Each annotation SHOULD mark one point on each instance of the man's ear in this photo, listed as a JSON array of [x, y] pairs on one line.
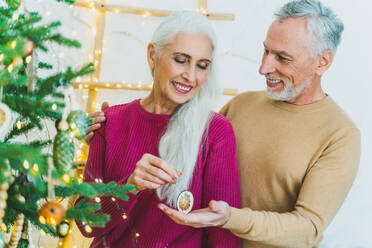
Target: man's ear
[[151, 55], [323, 62]]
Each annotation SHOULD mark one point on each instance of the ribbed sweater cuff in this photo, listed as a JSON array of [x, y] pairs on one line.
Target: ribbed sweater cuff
[[237, 219]]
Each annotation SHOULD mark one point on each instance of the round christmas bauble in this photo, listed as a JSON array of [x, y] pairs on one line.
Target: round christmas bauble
[[63, 228], [51, 213], [5, 120], [185, 201]]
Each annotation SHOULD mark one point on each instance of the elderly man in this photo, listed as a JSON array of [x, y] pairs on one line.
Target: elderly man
[[298, 152]]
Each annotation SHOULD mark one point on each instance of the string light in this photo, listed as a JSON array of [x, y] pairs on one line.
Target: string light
[[54, 106], [28, 59], [66, 178], [42, 219], [36, 167], [13, 44], [3, 227], [1, 57], [26, 165], [15, 16], [19, 124], [60, 243], [137, 235], [118, 85], [88, 229], [107, 85], [124, 216], [10, 68], [80, 86], [42, 232], [97, 199], [113, 199]]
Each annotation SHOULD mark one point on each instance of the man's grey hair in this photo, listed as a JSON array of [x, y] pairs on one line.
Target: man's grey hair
[[324, 27]]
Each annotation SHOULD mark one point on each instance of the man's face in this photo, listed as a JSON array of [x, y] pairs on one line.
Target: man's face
[[286, 62]]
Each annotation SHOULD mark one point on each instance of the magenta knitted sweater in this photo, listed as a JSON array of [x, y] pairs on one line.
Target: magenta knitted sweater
[[129, 132]]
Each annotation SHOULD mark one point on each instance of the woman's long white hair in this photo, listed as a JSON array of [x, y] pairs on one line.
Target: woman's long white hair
[[179, 146]]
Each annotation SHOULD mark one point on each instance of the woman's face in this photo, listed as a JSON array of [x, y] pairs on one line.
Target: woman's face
[[181, 68]]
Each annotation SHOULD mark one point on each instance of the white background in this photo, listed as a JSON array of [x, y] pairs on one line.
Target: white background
[[348, 81]]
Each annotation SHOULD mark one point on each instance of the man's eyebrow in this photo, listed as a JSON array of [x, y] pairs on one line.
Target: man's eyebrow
[[279, 52]]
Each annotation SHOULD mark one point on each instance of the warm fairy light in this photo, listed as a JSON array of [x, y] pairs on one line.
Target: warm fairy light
[[137, 235], [113, 199], [66, 178], [107, 85], [97, 199], [78, 79], [26, 165], [118, 85], [13, 44], [10, 68], [36, 167], [28, 59], [85, 86], [53, 221], [80, 86], [19, 124], [88, 229], [146, 14], [15, 16], [96, 63], [96, 180], [3, 227], [42, 232], [95, 79], [60, 243], [124, 216], [80, 180], [116, 11], [1, 57], [129, 85], [42, 219], [54, 106]]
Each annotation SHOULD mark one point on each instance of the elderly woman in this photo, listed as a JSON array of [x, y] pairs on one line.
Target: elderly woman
[[166, 143]]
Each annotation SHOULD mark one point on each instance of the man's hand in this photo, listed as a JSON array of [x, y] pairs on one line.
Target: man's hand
[[97, 117], [216, 215]]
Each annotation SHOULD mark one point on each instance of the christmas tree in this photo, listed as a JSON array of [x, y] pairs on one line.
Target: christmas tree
[[33, 176]]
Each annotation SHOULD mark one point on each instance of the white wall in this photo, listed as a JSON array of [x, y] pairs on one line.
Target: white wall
[[348, 81]]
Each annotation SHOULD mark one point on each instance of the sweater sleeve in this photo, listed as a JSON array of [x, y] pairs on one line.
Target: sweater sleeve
[[324, 188], [221, 181], [94, 172]]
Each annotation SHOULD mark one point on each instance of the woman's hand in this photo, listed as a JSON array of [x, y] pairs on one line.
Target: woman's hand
[[151, 173], [98, 117]]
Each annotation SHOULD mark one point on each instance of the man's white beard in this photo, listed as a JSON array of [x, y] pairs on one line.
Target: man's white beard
[[289, 92]]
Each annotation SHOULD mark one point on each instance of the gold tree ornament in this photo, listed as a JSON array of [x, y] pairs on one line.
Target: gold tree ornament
[[16, 231], [51, 213], [5, 120]]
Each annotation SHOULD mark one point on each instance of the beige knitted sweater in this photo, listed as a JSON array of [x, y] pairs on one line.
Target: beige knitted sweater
[[297, 163]]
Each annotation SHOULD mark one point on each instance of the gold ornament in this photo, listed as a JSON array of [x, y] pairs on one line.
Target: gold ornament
[[185, 201], [51, 213], [5, 120], [16, 231], [3, 197]]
